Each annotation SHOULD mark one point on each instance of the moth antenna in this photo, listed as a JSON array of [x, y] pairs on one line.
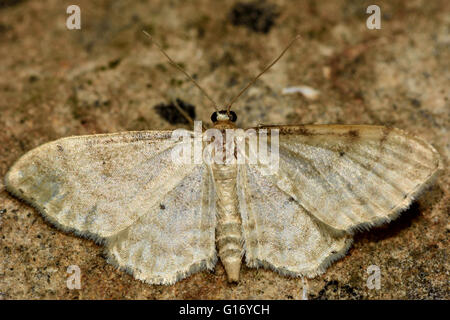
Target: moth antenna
[[183, 113], [262, 72], [173, 63]]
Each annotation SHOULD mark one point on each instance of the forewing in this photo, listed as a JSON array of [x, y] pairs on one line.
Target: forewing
[[352, 177], [173, 239], [279, 233], [100, 184]]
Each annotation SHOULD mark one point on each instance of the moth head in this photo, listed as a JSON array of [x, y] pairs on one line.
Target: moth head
[[223, 115]]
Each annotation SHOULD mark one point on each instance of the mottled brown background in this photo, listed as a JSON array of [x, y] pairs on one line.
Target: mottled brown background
[[107, 77]]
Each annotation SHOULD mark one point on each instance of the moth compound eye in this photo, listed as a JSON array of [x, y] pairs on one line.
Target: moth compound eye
[[233, 116], [214, 117]]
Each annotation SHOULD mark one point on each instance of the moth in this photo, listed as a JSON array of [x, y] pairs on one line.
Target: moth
[[162, 220]]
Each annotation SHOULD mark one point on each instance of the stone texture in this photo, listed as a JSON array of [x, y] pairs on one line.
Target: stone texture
[[107, 77]]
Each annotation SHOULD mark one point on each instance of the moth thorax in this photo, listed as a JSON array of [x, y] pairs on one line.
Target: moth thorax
[[224, 119]]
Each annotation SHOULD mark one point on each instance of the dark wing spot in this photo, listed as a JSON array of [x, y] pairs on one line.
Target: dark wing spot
[[341, 153], [353, 133], [108, 141], [304, 132], [386, 132], [162, 207], [297, 130], [60, 148]]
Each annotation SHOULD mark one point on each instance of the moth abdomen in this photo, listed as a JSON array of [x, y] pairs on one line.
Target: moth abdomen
[[229, 224]]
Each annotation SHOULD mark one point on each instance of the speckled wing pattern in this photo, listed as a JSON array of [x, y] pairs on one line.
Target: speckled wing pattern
[[124, 189], [173, 240], [332, 180], [279, 233]]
